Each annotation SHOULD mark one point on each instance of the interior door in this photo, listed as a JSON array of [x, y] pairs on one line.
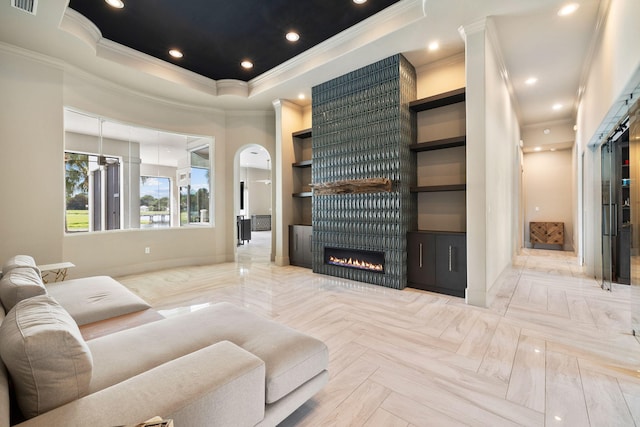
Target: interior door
[[608, 213]]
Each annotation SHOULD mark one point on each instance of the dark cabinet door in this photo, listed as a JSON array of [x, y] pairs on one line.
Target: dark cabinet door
[[437, 261], [305, 246], [421, 272], [300, 245], [451, 262]]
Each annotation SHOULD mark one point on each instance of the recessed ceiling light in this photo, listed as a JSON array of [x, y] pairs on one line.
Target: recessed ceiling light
[[246, 64], [546, 131], [292, 36], [301, 96], [568, 9], [531, 81], [538, 148], [359, 1], [434, 46], [118, 4], [557, 107], [175, 53], [552, 149]]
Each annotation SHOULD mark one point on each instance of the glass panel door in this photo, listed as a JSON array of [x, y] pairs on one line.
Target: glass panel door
[[634, 226], [608, 213]]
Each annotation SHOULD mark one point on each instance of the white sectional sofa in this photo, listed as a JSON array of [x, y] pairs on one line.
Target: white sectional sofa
[[218, 366]]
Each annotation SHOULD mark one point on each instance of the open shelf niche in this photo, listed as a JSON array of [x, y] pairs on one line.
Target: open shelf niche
[[300, 232], [302, 147], [436, 251]]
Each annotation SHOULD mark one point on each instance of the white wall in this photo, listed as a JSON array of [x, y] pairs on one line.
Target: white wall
[[258, 192], [613, 71], [441, 76], [31, 164], [244, 129], [289, 118], [493, 135], [502, 168], [549, 191], [34, 93]]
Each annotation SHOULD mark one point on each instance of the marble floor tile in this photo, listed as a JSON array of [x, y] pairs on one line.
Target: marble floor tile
[[415, 358]]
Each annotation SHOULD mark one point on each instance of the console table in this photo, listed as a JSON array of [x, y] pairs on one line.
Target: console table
[[58, 271], [549, 233], [260, 222]]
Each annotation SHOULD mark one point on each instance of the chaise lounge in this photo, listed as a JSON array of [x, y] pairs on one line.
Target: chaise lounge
[[217, 366]]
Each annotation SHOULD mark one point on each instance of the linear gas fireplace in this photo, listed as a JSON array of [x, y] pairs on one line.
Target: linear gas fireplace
[[353, 258], [362, 172]]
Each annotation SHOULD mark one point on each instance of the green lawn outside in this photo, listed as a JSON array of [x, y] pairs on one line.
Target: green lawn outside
[[77, 220]]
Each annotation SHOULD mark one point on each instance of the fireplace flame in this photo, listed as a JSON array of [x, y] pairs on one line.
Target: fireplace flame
[[355, 263]]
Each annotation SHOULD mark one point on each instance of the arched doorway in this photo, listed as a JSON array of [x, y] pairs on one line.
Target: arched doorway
[[254, 205]]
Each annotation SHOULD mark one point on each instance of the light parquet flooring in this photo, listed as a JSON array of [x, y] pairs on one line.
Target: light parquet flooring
[[552, 348]]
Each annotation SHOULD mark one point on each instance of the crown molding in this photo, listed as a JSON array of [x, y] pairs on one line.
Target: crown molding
[[232, 87], [383, 23], [449, 60], [279, 103], [112, 86], [115, 52], [33, 56], [78, 25], [473, 28]]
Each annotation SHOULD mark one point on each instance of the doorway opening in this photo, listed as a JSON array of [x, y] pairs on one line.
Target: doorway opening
[[254, 205]]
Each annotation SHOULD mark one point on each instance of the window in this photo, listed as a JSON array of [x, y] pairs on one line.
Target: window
[[155, 202], [92, 192], [119, 176]]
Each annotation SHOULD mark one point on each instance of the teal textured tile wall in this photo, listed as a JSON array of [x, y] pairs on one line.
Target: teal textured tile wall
[[362, 128]]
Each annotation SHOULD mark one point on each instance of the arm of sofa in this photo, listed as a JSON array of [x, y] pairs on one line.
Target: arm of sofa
[[219, 385]]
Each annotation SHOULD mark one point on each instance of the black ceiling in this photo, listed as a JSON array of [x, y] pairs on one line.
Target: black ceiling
[[216, 35]]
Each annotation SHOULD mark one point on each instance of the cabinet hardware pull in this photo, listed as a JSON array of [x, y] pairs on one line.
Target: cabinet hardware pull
[[450, 250], [296, 242], [420, 255]]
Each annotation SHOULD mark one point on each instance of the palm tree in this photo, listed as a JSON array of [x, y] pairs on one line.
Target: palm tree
[[76, 177]]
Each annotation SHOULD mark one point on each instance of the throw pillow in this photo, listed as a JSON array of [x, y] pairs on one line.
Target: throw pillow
[[48, 360], [18, 284]]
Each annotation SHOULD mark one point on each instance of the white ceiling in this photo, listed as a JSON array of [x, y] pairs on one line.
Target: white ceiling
[[533, 40]]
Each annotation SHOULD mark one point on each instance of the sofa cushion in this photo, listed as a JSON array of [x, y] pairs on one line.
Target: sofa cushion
[[19, 261], [291, 357], [18, 284], [47, 359], [96, 298]]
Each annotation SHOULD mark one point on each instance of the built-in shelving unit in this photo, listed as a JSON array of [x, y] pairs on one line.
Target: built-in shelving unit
[[302, 148], [457, 141], [439, 100], [436, 251], [300, 229], [437, 188], [303, 194]]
